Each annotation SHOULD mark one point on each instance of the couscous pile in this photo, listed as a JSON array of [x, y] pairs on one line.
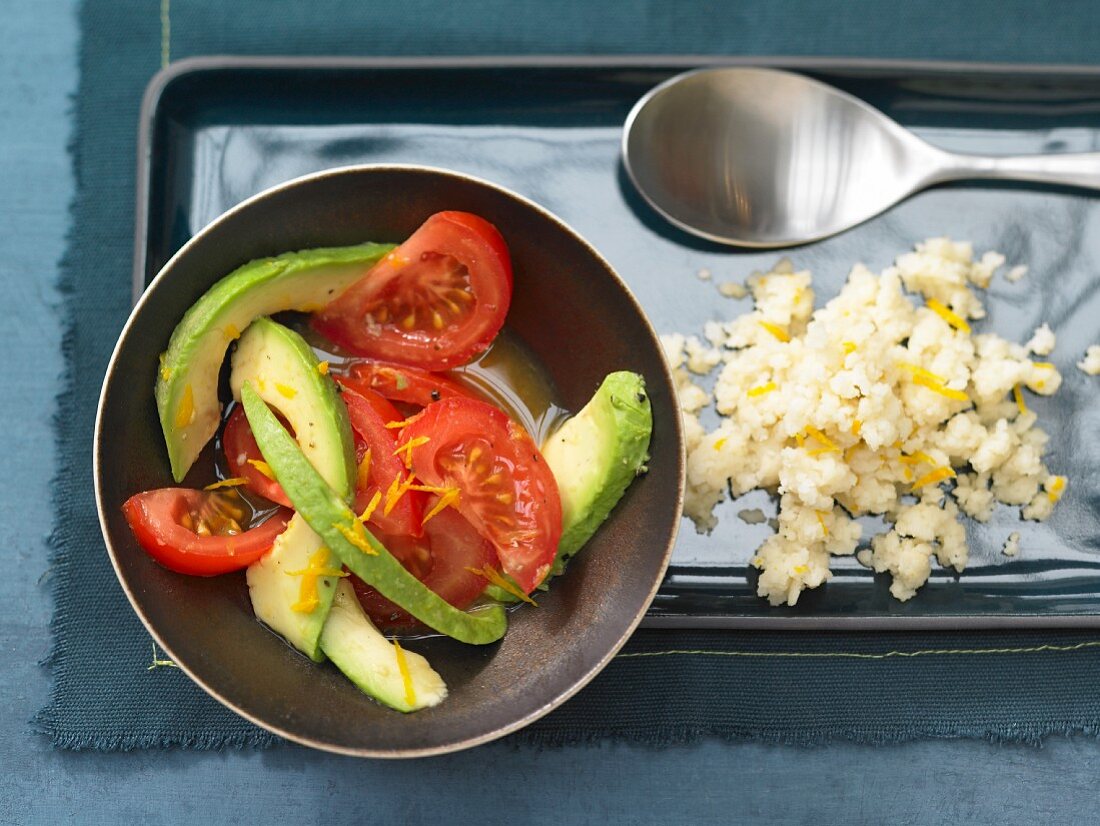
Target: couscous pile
[[868, 405]]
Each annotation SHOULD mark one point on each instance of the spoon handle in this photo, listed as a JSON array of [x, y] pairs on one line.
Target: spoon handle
[[1069, 169]]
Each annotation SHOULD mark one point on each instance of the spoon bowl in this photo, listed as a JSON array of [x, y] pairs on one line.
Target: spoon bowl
[[766, 158]]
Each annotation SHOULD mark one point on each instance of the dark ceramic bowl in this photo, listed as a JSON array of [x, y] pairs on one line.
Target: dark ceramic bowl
[[581, 321]]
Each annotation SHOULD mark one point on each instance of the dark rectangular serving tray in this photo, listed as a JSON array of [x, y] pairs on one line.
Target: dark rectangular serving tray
[[215, 131]]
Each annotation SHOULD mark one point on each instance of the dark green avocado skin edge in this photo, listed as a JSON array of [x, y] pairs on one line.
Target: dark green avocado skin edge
[[326, 512]]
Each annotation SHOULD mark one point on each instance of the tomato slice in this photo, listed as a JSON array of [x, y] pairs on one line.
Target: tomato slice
[[240, 449], [164, 522], [435, 302], [385, 466], [409, 384], [439, 559], [379, 401], [507, 491]]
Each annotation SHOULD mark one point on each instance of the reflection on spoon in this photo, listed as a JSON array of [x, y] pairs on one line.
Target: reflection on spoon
[[767, 158]]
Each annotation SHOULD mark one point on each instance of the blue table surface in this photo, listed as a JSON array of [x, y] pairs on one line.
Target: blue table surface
[[924, 782]]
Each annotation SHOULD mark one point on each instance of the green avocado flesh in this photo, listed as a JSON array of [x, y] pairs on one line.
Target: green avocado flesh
[[370, 661], [279, 361], [327, 513], [596, 455], [285, 373], [274, 587], [187, 385]]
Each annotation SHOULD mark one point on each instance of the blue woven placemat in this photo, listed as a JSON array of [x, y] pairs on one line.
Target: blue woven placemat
[[666, 687]]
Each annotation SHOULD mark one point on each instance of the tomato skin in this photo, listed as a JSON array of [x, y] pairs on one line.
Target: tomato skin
[[240, 446], [435, 302], [154, 517], [379, 401], [371, 433], [408, 384], [439, 559], [508, 492]]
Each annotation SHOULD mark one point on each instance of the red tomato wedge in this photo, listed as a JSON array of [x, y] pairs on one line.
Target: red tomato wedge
[[507, 491], [409, 384], [241, 450], [439, 559], [381, 403], [165, 522], [383, 467], [434, 302]]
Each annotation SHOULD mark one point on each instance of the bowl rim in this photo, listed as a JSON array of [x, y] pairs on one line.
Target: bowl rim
[[676, 426]]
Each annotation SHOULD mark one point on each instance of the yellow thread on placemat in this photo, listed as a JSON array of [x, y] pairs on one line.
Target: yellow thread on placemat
[[854, 655], [159, 663], [165, 32]]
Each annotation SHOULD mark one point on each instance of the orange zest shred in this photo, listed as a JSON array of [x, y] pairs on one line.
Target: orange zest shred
[[760, 389], [263, 467], [720, 443], [821, 521], [322, 368], [396, 490], [920, 372], [503, 583], [356, 536], [231, 482], [406, 675], [400, 424], [934, 477], [408, 447], [857, 425], [799, 439], [447, 497], [814, 433], [916, 458], [393, 493], [320, 564], [1056, 488], [849, 346], [1018, 395], [775, 330], [372, 505], [186, 410], [1045, 365], [800, 570], [939, 387], [362, 475], [952, 318]]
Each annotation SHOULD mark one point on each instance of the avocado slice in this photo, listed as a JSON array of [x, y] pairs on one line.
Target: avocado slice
[[284, 371], [596, 455], [187, 385], [275, 585], [280, 362], [329, 515], [372, 662]]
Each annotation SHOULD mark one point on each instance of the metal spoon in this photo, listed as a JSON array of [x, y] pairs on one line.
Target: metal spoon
[[766, 158]]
